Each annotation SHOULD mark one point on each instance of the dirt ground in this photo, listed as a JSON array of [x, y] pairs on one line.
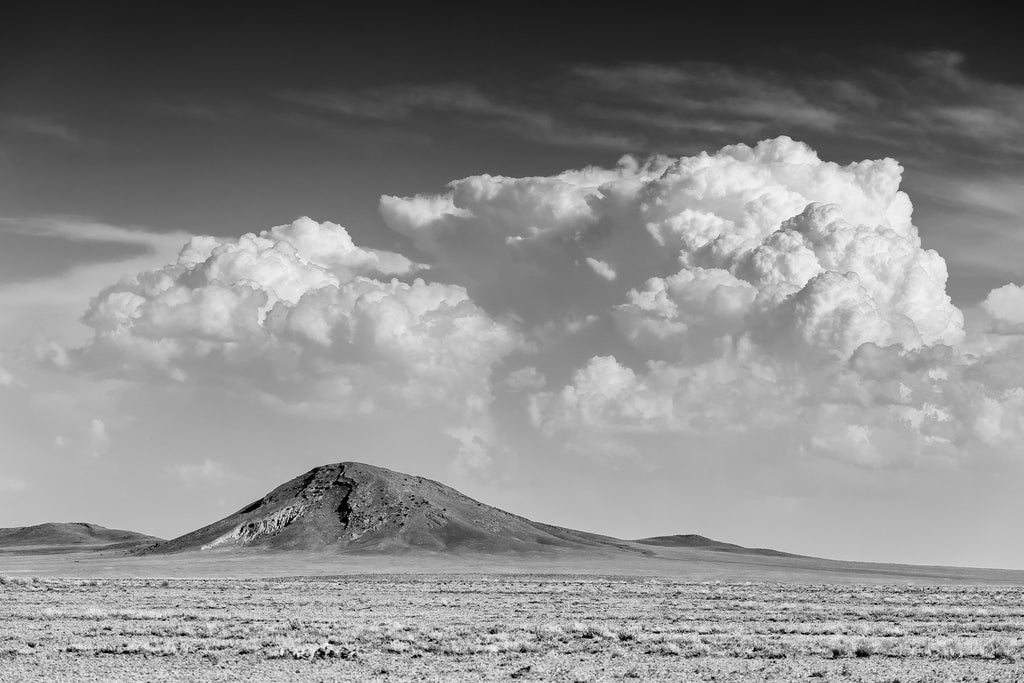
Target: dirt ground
[[504, 627]]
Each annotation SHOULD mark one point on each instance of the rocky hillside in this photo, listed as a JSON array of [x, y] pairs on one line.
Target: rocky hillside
[[358, 507]]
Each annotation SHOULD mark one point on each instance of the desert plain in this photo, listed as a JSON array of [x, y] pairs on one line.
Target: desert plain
[[352, 572], [684, 615]]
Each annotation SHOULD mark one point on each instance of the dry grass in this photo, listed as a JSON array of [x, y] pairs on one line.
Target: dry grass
[[510, 627]]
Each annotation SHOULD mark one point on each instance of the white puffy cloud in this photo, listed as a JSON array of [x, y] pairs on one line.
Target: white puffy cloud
[[822, 255], [755, 290], [606, 395], [329, 245], [293, 315], [522, 244], [601, 268], [718, 395], [1005, 306], [749, 287], [833, 243]]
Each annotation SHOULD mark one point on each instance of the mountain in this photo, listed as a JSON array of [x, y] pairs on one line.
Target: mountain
[[378, 519], [696, 541], [55, 537], [357, 507]]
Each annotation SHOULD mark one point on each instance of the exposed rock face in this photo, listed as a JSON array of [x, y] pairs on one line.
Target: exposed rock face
[[352, 506]]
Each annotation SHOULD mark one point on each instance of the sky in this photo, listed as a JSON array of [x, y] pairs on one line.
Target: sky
[[753, 275]]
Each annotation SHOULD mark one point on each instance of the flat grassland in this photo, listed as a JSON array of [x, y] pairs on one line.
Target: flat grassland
[[504, 627]]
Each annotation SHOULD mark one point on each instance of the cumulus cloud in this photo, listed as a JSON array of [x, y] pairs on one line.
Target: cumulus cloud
[[754, 290], [830, 247], [522, 244], [298, 315], [1005, 306], [717, 396], [958, 129], [750, 287]]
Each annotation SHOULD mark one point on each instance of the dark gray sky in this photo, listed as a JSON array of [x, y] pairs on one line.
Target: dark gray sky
[[218, 120], [126, 128]]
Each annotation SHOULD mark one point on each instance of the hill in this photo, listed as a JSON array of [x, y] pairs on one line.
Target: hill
[[67, 537], [358, 507], [697, 541], [385, 522]]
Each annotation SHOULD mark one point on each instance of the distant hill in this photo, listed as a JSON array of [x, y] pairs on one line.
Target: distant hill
[[358, 507], [68, 537], [349, 518], [696, 541]]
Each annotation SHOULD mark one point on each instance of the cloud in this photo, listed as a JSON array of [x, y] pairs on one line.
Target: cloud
[[1005, 306], [757, 290], [714, 397], [521, 244], [956, 129], [601, 268], [524, 378], [605, 395], [912, 102], [48, 309], [524, 119], [701, 95], [296, 316], [772, 218], [41, 127]]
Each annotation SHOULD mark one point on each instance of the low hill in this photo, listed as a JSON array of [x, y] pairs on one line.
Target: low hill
[[358, 507], [380, 521], [697, 541], [68, 537]]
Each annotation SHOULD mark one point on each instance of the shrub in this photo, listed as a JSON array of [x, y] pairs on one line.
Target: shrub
[[998, 648], [840, 647], [866, 648]]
